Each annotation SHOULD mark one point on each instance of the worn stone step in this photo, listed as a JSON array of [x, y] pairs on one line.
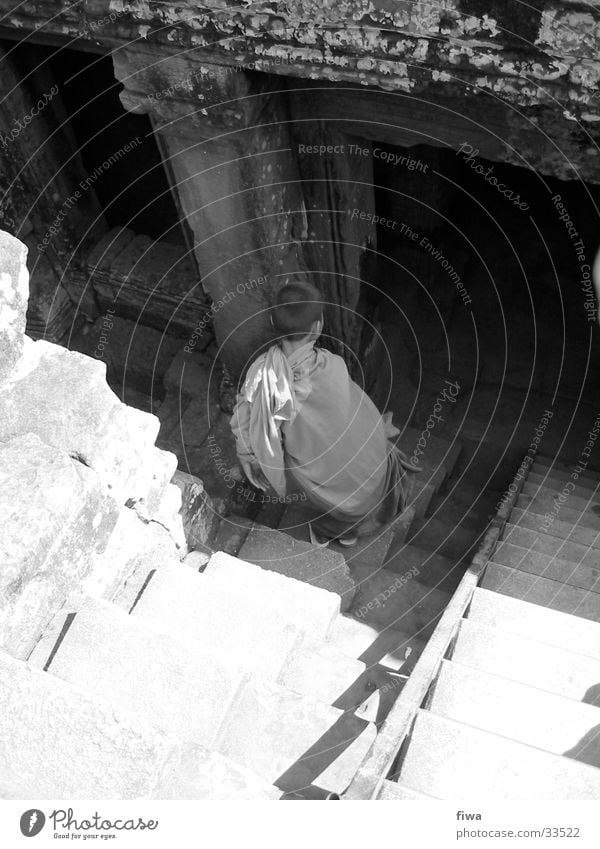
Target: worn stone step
[[470, 516], [543, 591], [269, 729], [548, 544], [217, 778], [544, 504], [180, 688], [369, 551], [438, 451], [321, 671], [527, 518], [476, 765], [309, 608], [535, 622], [583, 500], [319, 567], [393, 791], [442, 538], [583, 486], [44, 721], [423, 493], [556, 467], [530, 662], [392, 649], [517, 711], [388, 600], [231, 534], [238, 624], [583, 574], [431, 569], [349, 747], [57, 519]]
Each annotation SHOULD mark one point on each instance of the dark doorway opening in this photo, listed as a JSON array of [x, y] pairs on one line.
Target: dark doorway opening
[[482, 283], [118, 149]]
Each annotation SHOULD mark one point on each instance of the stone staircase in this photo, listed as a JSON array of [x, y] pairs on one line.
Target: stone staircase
[[152, 646], [504, 702]]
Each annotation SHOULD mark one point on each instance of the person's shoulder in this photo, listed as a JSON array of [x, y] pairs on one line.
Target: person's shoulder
[[327, 359]]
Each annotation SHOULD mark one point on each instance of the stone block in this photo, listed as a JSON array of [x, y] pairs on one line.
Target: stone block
[[57, 517], [320, 671], [197, 775], [269, 729], [58, 742], [281, 553], [135, 355], [183, 691], [134, 547], [235, 625], [63, 398], [311, 609], [14, 290], [389, 648], [355, 738], [200, 514], [196, 374]]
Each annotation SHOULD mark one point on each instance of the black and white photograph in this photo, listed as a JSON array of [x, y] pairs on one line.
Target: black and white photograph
[[299, 420]]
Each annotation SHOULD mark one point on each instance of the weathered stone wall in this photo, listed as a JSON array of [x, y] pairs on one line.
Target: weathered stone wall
[[541, 61]]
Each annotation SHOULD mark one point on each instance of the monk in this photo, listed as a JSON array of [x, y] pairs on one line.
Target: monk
[[302, 425]]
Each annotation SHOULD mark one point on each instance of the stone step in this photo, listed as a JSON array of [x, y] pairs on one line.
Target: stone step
[[231, 534], [543, 591], [470, 516], [394, 650], [544, 504], [57, 518], [547, 465], [321, 671], [45, 720], [388, 600], [438, 451], [431, 569], [545, 543], [392, 790], [442, 538], [517, 711], [534, 622], [284, 737], [218, 778], [423, 493], [527, 518], [308, 608], [320, 567], [583, 486], [582, 500], [370, 551], [238, 624], [530, 662], [585, 575], [181, 689], [476, 765]]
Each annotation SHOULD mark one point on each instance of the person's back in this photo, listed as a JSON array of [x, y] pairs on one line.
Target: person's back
[[302, 423]]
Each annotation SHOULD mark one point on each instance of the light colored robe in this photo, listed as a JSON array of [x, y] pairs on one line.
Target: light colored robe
[[311, 427]]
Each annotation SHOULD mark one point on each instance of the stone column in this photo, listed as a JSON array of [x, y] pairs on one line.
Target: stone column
[[337, 175], [235, 172]]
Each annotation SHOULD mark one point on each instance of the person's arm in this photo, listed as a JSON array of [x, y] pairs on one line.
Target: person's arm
[[240, 425]]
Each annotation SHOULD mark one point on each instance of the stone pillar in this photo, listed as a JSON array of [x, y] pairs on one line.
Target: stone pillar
[[340, 202], [235, 172]]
